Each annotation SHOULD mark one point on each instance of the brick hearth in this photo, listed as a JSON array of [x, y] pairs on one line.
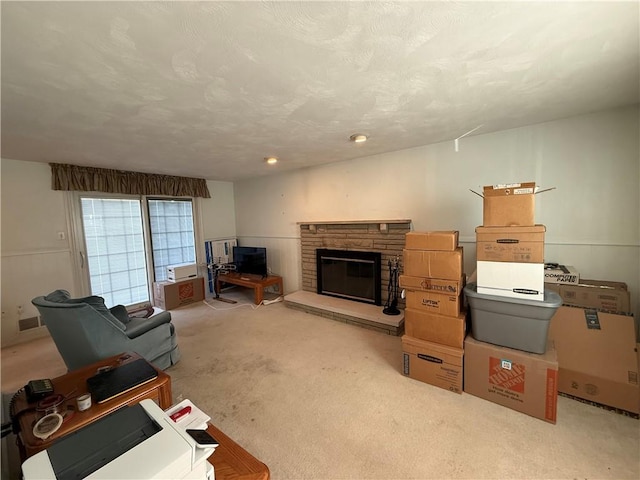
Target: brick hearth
[[384, 236]]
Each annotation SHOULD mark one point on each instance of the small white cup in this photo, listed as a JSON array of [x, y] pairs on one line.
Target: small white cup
[[84, 402]]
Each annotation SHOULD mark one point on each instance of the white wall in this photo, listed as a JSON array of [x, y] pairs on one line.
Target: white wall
[[35, 261], [218, 212], [592, 218]]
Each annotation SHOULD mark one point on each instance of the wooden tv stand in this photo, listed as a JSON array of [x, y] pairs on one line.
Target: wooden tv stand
[[257, 282]]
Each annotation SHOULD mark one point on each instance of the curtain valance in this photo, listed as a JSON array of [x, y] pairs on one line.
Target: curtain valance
[[92, 179]]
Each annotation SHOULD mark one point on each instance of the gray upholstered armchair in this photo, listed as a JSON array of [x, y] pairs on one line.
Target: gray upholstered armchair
[[85, 331]]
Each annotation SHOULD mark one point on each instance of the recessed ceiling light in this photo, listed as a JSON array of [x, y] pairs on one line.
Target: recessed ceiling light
[[358, 138], [271, 160]]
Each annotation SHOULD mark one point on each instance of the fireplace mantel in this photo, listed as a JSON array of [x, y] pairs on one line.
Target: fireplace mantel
[[341, 222], [383, 225]]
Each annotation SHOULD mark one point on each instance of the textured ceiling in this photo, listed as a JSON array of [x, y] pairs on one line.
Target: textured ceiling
[[208, 89]]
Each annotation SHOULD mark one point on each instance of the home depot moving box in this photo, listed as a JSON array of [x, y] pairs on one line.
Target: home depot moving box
[[598, 294], [432, 363], [526, 382], [597, 356], [169, 295], [510, 244], [439, 240], [433, 263], [436, 328], [509, 205]]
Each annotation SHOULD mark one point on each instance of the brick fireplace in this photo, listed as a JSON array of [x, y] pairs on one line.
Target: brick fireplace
[[384, 236]]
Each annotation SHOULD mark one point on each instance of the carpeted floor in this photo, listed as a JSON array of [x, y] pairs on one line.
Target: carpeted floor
[[317, 399]]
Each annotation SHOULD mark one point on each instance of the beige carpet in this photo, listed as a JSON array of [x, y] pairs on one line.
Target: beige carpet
[[317, 399]]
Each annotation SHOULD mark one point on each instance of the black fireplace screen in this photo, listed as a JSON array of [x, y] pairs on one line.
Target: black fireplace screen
[[349, 274]]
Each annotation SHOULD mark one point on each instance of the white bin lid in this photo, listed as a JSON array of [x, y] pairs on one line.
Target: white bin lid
[[551, 299]]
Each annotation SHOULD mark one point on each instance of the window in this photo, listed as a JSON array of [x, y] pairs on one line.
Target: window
[[172, 235], [115, 252], [127, 248]]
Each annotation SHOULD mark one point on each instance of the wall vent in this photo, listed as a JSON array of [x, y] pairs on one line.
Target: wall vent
[[28, 323]]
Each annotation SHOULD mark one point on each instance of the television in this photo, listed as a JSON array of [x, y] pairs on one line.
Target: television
[[250, 260]]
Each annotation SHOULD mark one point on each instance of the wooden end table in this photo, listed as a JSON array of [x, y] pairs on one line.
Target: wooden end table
[[257, 282], [74, 384], [232, 462]]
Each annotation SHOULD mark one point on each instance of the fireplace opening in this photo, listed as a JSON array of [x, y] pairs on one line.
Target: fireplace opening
[[349, 274]]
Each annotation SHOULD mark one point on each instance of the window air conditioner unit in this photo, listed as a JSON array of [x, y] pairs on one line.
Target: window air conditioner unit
[[183, 271]]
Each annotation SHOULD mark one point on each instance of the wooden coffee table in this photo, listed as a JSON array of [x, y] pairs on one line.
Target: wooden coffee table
[[257, 282], [232, 462], [74, 384]]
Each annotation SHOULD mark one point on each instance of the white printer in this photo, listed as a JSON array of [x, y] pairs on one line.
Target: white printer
[[134, 442], [183, 271]]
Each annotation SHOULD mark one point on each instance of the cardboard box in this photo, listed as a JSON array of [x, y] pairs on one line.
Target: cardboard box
[[597, 356], [509, 205], [431, 363], [511, 279], [444, 240], [562, 274], [510, 244], [433, 263], [525, 382], [169, 295], [435, 285], [599, 294], [442, 303], [436, 328]]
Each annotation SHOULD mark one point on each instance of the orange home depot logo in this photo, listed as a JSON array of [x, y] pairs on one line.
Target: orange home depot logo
[[185, 291], [506, 374]]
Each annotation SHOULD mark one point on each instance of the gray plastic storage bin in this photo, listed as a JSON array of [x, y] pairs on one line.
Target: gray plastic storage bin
[[511, 322]]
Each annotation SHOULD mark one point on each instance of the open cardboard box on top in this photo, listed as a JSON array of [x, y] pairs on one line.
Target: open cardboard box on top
[[508, 205]]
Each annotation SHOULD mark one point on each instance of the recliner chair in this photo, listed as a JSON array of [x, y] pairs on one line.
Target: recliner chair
[[86, 331]]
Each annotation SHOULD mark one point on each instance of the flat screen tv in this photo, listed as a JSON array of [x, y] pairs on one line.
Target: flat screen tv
[[250, 260]]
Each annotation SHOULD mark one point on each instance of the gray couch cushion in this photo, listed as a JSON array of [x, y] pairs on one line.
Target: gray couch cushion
[[139, 326], [120, 312]]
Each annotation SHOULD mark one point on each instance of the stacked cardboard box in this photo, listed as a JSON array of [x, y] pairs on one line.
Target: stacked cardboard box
[[594, 334], [560, 274], [509, 246], [434, 319], [499, 363], [510, 256], [523, 381], [598, 294]]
